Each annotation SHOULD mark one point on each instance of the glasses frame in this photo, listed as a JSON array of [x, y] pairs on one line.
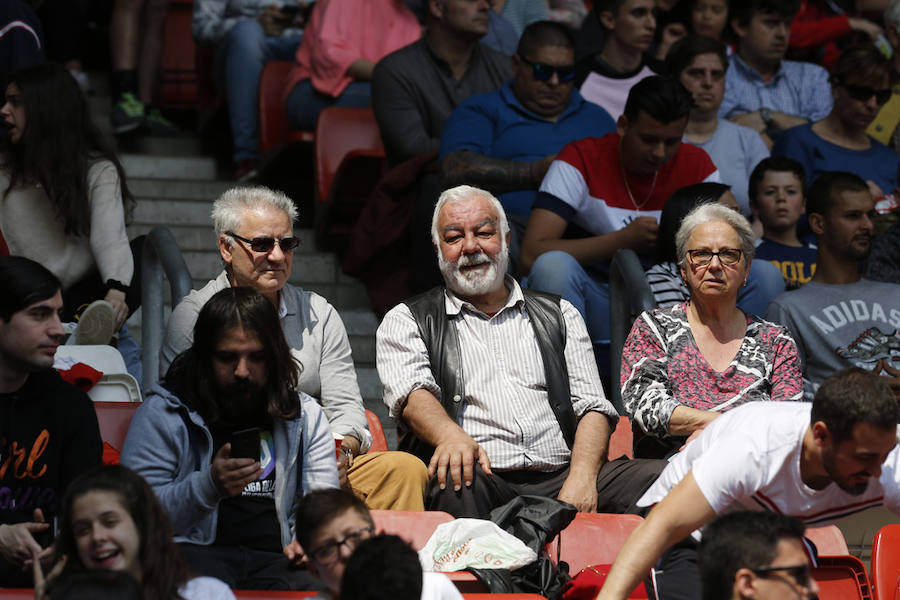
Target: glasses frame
[[264, 245], [335, 547], [793, 570], [690, 256], [864, 93], [563, 74]]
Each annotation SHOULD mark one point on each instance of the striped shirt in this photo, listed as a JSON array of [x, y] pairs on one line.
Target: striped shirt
[[505, 409], [798, 88]]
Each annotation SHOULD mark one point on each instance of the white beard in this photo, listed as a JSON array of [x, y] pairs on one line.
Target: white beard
[[475, 282]]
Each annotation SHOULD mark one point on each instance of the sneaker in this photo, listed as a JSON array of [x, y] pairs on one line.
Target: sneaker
[[96, 324], [157, 124], [127, 114]]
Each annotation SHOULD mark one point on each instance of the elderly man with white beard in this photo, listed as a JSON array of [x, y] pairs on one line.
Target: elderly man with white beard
[[495, 387]]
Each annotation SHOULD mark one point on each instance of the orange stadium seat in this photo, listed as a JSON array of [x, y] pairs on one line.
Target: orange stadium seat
[[379, 441], [886, 561], [842, 578], [829, 540], [274, 131]]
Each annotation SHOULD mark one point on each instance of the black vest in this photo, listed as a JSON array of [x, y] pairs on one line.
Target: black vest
[[440, 338]]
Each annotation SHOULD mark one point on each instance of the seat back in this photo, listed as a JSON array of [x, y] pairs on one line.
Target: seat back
[[886, 561], [274, 131], [842, 578], [177, 65], [829, 540], [592, 539], [413, 526], [621, 440], [269, 594], [379, 441], [114, 419], [340, 131]]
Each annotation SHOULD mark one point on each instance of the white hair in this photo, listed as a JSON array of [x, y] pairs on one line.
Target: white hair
[[462, 193], [892, 15], [708, 213], [228, 210]]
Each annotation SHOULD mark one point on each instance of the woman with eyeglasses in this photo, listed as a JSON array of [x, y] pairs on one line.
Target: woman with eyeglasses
[[861, 81], [684, 365], [63, 197]]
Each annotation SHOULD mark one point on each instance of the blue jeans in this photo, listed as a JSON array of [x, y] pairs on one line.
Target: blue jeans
[[305, 103], [558, 273], [239, 62]]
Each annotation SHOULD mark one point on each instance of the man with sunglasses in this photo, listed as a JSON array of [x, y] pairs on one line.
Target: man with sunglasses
[[839, 319], [755, 555], [504, 141], [819, 462], [256, 241]]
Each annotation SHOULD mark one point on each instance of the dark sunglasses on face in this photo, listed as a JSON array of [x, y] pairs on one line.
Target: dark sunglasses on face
[[543, 71], [266, 244], [864, 92], [801, 574]]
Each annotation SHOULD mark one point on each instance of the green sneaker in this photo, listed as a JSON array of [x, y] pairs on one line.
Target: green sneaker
[[157, 124], [127, 114]]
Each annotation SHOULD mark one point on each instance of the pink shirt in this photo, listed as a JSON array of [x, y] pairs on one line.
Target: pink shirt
[[342, 31]]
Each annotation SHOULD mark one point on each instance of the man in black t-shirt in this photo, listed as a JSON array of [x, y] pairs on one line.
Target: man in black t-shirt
[[48, 428]]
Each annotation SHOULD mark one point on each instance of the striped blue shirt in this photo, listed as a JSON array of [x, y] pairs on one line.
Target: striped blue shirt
[[798, 88]]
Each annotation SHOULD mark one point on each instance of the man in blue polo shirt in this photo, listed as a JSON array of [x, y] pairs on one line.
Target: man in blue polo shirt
[[504, 141]]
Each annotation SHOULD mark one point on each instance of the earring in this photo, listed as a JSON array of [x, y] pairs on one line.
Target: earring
[[744, 284]]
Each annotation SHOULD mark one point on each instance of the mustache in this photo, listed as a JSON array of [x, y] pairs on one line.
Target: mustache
[[473, 260]]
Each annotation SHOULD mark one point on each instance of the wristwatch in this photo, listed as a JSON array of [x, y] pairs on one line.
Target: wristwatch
[[349, 455], [767, 116]]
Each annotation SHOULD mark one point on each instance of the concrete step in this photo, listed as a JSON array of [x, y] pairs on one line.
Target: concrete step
[[319, 267], [177, 189], [169, 167]]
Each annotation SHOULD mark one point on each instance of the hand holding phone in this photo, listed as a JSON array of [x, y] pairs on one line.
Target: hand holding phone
[[245, 443]]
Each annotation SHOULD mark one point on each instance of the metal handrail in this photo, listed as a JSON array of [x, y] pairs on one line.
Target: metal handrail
[[160, 255], [629, 295]]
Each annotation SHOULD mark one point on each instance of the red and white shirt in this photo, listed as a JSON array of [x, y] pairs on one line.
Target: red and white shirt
[[584, 185]]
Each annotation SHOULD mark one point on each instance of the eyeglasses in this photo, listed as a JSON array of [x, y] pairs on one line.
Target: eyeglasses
[[801, 574], [543, 72], [329, 552], [266, 244], [727, 256], [863, 93]]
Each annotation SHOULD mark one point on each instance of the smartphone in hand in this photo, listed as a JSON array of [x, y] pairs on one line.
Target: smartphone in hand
[[245, 443]]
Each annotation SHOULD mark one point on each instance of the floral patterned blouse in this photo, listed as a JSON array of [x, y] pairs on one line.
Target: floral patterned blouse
[[662, 368]]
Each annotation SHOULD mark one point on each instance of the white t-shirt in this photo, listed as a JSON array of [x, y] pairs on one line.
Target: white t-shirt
[[205, 588], [749, 459], [437, 586]]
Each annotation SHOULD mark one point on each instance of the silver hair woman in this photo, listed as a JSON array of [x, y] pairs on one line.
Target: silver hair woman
[[684, 365]]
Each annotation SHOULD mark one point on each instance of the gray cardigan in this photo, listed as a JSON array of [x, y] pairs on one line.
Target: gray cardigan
[[172, 448]]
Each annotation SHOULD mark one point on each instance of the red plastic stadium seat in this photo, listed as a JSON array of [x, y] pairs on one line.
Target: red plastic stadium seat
[[178, 68], [340, 133], [16, 594], [4, 249], [274, 131], [829, 540], [114, 419], [416, 528], [842, 578], [622, 440], [886, 561], [379, 441], [592, 539]]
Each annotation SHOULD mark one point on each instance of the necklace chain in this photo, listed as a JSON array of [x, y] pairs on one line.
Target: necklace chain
[[637, 207]]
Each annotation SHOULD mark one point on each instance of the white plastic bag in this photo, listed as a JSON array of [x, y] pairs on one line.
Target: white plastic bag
[[464, 543]]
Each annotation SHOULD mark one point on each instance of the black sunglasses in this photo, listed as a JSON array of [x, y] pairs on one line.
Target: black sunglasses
[[543, 71], [266, 244], [801, 574], [864, 92]]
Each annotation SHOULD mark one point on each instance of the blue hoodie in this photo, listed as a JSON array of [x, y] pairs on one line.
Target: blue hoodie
[[172, 448]]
